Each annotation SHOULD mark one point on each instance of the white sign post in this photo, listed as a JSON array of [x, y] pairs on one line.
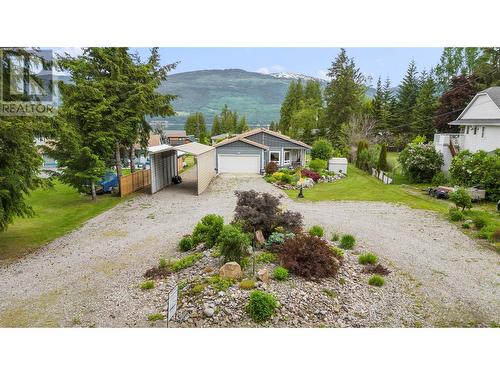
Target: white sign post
[[172, 303]]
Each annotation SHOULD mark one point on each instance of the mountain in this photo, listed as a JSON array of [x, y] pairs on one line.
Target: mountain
[[297, 76], [255, 95]]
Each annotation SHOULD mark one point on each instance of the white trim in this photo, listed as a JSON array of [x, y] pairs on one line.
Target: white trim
[[472, 102], [289, 161], [279, 156]]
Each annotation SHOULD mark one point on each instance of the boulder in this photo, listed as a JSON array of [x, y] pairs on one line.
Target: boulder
[[263, 275], [209, 311], [231, 270], [259, 237]]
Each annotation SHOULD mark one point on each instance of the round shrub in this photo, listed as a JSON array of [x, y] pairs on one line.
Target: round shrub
[[439, 179], [310, 174], [347, 241], [335, 237], [308, 256], [247, 284], [420, 162], [479, 222], [337, 252], [455, 214], [322, 149], [316, 230], [367, 258], [232, 243], [376, 280], [280, 273], [271, 167], [186, 243], [261, 306], [207, 230], [318, 165], [461, 198]]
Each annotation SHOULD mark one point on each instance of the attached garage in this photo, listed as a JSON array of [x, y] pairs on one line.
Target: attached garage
[[240, 156]]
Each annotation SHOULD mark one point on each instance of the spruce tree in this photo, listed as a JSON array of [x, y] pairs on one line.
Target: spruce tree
[[425, 108], [406, 98], [382, 158], [216, 126], [242, 125], [378, 104], [195, 125]]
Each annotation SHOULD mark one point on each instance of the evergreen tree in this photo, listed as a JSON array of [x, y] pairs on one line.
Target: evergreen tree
[[312, 95], [290, 104], [242, 125], [425, 107], [457, 61], [216, 126], [344, 97], [228, 120], [195, 125], [378, 103], [302, 124], [382, 158], [273, 126], [406, 99]]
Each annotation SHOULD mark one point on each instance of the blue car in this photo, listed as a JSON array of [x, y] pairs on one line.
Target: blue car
[[109, 182]]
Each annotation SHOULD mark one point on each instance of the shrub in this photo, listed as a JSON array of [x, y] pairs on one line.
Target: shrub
[[186, 243], [329, 293], [162, 263], [310, 174], [347, 241], [382, 159], [439, 179], [376, 280], [316, 230], [260, 211], [185, 262], [247, 284], [335, 237], [277, 238], [367, 158], [232, 243], [322, 149], [420, 162], [280, 273], [220, 284], [466, 225], [455, 214], [159, 272], [148, 284], [155, 317], [198, 288], [261, 306], [376, 268], [461, 198], [337, 252], [479, 222], [308, 256], [480, 168], [265, 257], [207, 230], [367, 258], [271, 167], [318, 165]]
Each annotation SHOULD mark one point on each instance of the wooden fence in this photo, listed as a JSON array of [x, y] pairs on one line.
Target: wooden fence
[[135, 181]]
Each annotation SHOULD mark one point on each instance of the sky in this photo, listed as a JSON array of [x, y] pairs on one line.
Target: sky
[[386, 62]]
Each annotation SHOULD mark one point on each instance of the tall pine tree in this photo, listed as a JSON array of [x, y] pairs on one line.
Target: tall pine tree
[[406, 99], [425, 108]]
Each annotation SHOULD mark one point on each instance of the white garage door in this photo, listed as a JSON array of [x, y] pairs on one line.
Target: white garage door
[[239, 163]]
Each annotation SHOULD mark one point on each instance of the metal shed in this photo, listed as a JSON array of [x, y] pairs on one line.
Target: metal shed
[[163, 166], [205, 162]]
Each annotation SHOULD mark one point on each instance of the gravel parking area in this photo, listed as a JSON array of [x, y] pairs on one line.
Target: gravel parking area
[[90, 276]]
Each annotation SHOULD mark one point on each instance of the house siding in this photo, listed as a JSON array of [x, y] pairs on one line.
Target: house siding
[[274, 143]]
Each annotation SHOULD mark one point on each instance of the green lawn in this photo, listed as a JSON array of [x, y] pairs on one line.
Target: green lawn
[[359, 186], [57, 211]]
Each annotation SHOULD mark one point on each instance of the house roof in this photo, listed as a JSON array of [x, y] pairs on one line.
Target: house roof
[[219, 136], [159, 148], [175, 133], [480, 121], [241, 139], [275, 134], [493, 93]]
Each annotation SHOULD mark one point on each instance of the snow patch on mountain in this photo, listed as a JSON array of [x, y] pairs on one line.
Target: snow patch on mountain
[[296, 76]]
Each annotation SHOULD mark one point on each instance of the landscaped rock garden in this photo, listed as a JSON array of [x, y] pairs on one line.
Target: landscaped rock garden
[[265, 270]]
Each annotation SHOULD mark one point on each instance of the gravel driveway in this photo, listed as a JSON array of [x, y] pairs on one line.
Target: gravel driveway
[[89, 276]]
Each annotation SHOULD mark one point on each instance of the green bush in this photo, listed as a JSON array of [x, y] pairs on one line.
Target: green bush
[[318, 165], [322, 149], [316, 230], [479, 222], [247, 284], [186, 243], [277, 238], [155, 317], [461, 198], [338, 252], [455, 214], [185, 262], [347, 241], [219, 283], [335, 237], [198, 288], [163, 263], [265, 257], [439, 179], [261, 306], [280, 273], [148, 284], [232, 243], [207, 230], [367, 258], [420, 162], [480, 168], [376, 280]]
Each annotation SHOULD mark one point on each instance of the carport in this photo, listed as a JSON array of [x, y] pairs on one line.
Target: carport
[[164, 165]]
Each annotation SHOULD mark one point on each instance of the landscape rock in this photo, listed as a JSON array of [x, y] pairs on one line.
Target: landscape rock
[[263, 275], [209, 312], [231, 270]]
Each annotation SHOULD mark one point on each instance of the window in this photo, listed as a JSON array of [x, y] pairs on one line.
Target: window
[[274, 156], [287, 157], [475, 130], [467, 127], [482, 132]]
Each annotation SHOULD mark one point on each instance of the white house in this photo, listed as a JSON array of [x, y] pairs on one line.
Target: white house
[[478, 127]]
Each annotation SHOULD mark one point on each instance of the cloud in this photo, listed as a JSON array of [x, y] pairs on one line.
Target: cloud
[[271, 69]]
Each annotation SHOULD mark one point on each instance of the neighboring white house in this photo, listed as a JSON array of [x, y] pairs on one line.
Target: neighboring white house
[[478, 127]]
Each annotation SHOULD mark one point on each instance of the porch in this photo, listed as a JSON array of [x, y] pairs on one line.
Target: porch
[[288, 157]]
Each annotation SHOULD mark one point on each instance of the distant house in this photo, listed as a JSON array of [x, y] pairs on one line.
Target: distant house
[[176, 137], [478, 127], [251, 151]]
